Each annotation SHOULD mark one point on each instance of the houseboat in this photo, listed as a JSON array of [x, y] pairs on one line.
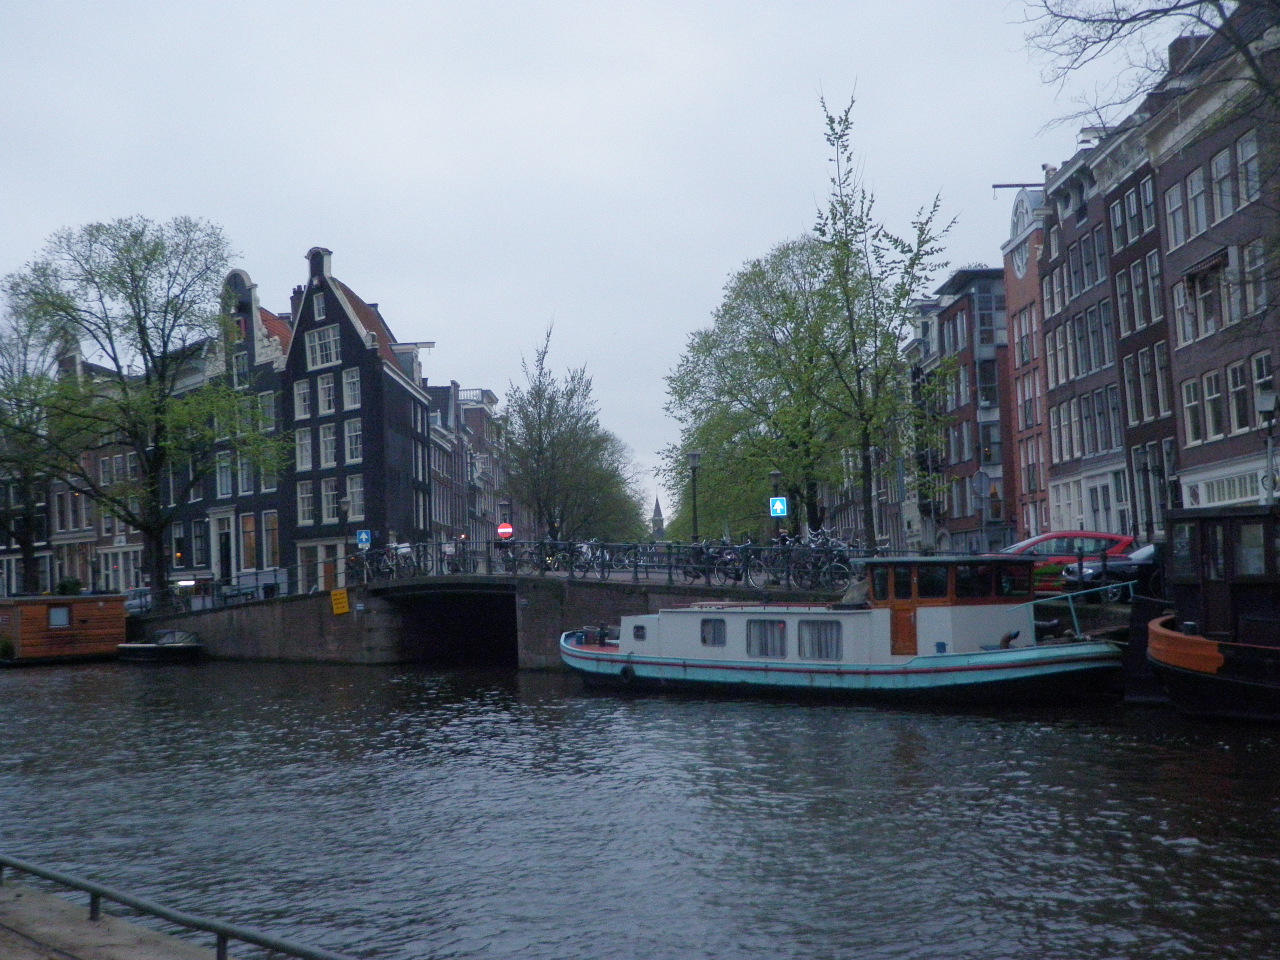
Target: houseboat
[[930, 629], [50, 629], [1218, 654]]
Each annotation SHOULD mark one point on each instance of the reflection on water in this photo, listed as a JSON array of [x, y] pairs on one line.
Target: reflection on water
[[399, 813]]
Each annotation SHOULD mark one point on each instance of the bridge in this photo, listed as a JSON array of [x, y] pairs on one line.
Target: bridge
[[454, 619]]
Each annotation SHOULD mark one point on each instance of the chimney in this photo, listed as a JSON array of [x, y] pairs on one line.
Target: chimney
[[1181, 51], [295, 303]]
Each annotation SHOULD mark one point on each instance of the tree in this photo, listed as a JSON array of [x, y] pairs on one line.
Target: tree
[[1133, 38], [28, 383], [137, 305], [744, 392], [573, 475], [872, 275]]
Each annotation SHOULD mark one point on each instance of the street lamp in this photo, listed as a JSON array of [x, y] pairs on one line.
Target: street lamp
[[344, 511], [504, 511], [1265, 404], [775, 476], [1142, 462], [694, 457]]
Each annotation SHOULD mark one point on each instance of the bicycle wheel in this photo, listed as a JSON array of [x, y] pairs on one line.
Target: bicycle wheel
[[758, 573], [837, 576], [602, 566]]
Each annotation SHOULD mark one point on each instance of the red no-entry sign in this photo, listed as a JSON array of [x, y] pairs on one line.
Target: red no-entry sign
[[506, 531]]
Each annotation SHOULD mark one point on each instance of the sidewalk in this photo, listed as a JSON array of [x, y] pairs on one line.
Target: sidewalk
[[40, 926]]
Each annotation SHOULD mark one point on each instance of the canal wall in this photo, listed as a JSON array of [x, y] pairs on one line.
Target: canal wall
[[514, 621]]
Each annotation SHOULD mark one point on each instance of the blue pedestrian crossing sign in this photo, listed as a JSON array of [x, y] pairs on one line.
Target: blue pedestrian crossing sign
[[364, 539], [777, 506]]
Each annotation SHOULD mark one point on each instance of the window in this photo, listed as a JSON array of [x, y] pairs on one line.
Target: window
[[1132, 214], [306, 502], [1250, 550], [767, 638], [354, 441], [351, 389], [1146, 376], [328, 445], [301, 399], [248, 541], [59, 616], [1215, 414], [1254, 286], [322, 347], [246, 474], [178, 544], [1163, 376], [302, 449], [1247, 167], [329, 500], [973, 580], [1240, 402], [1100, 253], [326, 393], [1123, 303], [713, 633], [1118, 235], [1156, 294], [270, 539], [637, 633], [317, 305], [1055, 433], [223, 475], [269, 477], [199, 543], [1090, 264], [1141, 315], [355, 493], [1148, 191], [1191, 412], [818, 640], [931, 581], [1175, 224], [1183, 316], [267, 411], [1197, 211], [1224, 198]]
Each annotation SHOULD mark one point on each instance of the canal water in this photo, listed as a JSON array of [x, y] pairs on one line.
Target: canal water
[[402, 813]]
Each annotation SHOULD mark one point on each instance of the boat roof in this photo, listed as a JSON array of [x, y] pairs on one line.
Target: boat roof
[[952, 559]]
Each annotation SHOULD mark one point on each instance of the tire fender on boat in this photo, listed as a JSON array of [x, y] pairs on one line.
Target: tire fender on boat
[[627, 673]]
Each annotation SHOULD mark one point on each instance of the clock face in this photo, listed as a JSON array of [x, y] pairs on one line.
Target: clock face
[[1020, 221], [1020, 259]]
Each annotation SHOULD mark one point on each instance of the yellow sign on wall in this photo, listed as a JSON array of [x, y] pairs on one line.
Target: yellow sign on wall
[[340, 602]]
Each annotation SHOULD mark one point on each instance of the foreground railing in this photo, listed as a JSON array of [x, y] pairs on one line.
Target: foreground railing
[[224, 933]]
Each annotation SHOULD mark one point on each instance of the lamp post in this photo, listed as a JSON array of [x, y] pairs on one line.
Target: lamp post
[[344, 511], [504, 511], [1265, 404], [775, 476], [694, 457], [1142, 462]]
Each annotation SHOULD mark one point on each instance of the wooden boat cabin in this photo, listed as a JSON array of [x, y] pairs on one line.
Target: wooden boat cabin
[[51, 628], [944, 604], [1223, 572]]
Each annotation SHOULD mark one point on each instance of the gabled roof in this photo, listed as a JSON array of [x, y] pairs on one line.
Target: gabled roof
[[371, 319], [277, 328]]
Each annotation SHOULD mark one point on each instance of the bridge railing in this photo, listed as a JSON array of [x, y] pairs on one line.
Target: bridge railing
[[224, 933]]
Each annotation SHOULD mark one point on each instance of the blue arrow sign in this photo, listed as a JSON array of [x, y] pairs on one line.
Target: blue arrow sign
[[777, 506], [364, 538]]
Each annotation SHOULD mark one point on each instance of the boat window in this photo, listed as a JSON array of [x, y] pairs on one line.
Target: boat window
[[59, 616], [1184, 562], [819, 640], [1250, 551], [713, 633], [973, 580], [767, 638], [880, 583], [1014, 581], [902, 583], [931, 580], [1214, 568], [637, 633]]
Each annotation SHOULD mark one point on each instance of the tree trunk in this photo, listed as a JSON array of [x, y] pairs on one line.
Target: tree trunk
[[868, 500]]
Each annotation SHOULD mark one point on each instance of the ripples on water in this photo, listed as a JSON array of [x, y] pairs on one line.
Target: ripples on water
[[406, 814]]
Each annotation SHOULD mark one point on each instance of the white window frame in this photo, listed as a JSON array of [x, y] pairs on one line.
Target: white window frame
[[328, 445], [306, 503], [355, 493], [351, 389], [353, 440], [302, 452], [326, 394], [301, 399], [329, 500], [324, 347]]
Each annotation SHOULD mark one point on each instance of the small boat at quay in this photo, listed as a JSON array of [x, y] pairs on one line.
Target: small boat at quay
[[1218, 654], [920, 630]]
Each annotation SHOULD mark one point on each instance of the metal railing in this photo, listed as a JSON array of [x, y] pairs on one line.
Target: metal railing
[[224, 933]]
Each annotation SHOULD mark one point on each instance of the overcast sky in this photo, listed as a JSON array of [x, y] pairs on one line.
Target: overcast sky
[[484, 169]]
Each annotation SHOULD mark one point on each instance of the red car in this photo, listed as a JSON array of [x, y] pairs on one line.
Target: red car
[[1053, 551]]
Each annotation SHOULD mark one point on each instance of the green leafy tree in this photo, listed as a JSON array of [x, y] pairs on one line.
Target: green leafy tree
[[571, 474], [744, 391], [137, 306], [872, 275]]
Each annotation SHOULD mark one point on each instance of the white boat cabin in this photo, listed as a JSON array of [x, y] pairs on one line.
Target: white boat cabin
[[919, 606]]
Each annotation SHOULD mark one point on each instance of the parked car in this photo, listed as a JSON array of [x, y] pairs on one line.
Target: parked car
[[1144, 568], [1053, 551], [137, 600]]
